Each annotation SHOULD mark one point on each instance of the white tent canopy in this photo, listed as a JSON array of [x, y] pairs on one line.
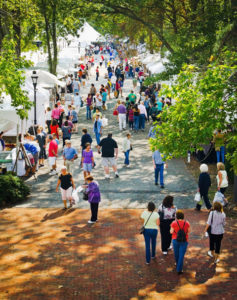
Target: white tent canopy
[[44, 78], [8, 114]]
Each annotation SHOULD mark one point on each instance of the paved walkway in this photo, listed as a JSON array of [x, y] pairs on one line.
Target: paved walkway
[[135, 187], [49, 254]]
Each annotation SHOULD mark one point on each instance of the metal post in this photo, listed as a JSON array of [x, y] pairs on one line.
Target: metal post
[[35, 121]]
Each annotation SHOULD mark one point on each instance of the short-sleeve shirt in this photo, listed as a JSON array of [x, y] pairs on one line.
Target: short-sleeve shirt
[[65, 181], [104, 96], [53, 146], [176, 228], [108, 145], [87, 156], [217, 221], [69, 153], [169, 212], [41, 139], [152, 222]]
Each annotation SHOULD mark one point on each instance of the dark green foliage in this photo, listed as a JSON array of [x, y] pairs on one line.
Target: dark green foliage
[[13, 190]]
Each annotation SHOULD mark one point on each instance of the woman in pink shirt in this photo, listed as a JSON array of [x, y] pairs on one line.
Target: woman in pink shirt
[[56, 113]]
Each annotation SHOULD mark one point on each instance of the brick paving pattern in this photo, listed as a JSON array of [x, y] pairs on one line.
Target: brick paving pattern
[[55, 254]]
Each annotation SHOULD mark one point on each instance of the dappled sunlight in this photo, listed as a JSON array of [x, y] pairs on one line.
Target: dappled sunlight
[[60, 255]]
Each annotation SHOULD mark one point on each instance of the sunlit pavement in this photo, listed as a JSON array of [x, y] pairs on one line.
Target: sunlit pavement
[[55, 254]]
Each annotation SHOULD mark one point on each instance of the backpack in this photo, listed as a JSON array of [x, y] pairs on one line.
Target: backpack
[[181, 234]]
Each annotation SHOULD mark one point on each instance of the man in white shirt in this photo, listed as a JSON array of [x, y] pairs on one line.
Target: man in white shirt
[[142, 116], [98, 100]]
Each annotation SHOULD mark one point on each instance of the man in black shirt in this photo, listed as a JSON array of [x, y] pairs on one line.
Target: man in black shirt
[[86, 138], [109, 154]]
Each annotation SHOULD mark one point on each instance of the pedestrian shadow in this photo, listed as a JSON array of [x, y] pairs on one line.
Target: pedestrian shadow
[[57, 214], [205, 272]]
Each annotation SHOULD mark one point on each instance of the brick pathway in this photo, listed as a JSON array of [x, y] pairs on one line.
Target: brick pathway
[[51, 254]]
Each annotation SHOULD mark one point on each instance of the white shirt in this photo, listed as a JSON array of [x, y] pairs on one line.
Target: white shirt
[[113, 79], [152, 223], [68, 81], [224, 182], [76, 85], [142, 109], [126, 144], [98, 100], [48, 115]]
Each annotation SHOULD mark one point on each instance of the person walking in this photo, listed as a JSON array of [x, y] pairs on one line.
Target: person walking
[[117, 89], [167, 212], [48, 118], [158, 164], [53, 154], [85, 139], [142, 115], [180, 230], [74, 117], [66, 132], [136, 113], [151, 223], [130, 117], [216, 220], [41, 139], [97, 128], [56, 113], [94, 198], [87, 160], [66, 182], [92, 91], [219, 141], [69, 155], [109, 155], [54, 128], [204, 184], [97, 73], [222, 178], [132, 97], [88, 106], [126, 149], [121, 109]]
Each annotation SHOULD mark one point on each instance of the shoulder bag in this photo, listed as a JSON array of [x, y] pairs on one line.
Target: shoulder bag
[[209, 228], [143, 227]]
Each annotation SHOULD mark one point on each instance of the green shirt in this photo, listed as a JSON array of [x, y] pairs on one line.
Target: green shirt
[[132, 97]]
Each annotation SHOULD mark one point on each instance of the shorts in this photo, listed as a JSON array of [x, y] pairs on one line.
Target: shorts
[[108, 161], [52, 160], [87, 167], [66, 194], [74, 122]]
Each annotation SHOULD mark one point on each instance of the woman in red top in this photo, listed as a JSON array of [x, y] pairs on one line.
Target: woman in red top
[[180, 247], [55, 128], [117, 88]]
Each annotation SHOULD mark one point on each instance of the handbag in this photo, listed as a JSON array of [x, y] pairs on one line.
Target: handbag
[[143, 227], [197, 197], [161, 214], [209, 228], [115, 112], [85, 196]]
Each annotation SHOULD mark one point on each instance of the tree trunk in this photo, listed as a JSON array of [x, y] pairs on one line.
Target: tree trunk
[[47, 30], [54, 39], [151, 42]]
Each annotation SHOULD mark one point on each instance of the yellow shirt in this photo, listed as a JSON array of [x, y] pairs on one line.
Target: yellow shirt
[[152, 223]]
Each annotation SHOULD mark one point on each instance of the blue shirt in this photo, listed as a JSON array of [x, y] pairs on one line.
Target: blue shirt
[[157, 157], [104, 96], [160, 105], [69, 153], [99, 125]]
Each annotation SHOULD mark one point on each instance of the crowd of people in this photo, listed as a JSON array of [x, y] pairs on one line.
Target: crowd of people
[[133, 113]]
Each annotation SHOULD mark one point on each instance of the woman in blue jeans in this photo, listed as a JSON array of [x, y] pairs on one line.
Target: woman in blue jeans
[[136, 113], [151, 223], [179, 247]]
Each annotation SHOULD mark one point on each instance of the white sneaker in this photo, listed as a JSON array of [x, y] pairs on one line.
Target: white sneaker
[[209, 253], [217, 260], [170, 247], [51, 173], [91, 222], [165, 253]]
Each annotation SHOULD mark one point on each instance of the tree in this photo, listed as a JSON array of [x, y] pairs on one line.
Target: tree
[[12, 77], [60, 17], [204, 101]]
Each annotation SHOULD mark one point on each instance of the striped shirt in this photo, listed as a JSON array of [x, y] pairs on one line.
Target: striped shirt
[[217, 222]]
